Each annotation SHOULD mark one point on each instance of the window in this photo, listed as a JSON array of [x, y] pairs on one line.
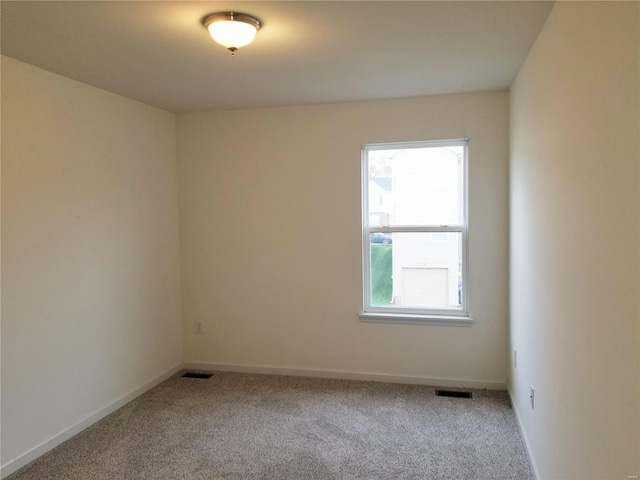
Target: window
[[414, 198]]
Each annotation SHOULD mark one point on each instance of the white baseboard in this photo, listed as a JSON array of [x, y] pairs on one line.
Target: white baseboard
[[347, 375], [29, 456], [523, 434]]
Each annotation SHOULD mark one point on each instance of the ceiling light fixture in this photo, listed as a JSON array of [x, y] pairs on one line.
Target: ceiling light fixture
[[233, 30]]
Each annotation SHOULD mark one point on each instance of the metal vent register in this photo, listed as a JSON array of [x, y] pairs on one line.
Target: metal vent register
[[196, 375], [453, 393]]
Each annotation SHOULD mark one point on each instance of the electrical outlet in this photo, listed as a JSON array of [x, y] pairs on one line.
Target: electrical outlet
[[532, 397], [515, 359], [198, 328]]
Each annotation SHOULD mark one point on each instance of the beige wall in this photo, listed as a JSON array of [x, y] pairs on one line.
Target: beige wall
[[271, 238], [574, 237], [90, 255]]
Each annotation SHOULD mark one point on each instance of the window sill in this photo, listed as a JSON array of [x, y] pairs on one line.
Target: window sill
[[444, 320]]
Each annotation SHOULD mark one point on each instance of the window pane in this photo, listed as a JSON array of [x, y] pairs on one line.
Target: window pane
[[416, 270], [416, 186]]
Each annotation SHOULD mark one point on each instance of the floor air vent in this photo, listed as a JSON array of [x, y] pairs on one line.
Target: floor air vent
[[197, 375], [453, 393]]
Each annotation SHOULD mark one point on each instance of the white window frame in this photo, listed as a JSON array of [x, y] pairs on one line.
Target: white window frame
[[397, 314]]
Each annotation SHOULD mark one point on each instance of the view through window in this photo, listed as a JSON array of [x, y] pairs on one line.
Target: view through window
[[415, 228]]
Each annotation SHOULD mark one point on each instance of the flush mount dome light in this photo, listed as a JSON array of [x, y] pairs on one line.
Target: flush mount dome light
[[233, 30]]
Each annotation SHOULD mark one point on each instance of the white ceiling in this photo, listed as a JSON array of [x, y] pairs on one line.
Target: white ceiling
[[307, 51]]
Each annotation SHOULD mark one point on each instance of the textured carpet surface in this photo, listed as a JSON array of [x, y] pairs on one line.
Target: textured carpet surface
[[243, 426]]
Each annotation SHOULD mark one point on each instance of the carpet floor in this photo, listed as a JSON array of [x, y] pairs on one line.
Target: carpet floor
[[245, 426]]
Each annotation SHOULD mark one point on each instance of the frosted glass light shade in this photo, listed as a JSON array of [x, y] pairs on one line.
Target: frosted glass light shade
[[233, 30], [232, 34]]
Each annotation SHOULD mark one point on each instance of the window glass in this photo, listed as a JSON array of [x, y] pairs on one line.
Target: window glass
[[410, 269], [416, 186]]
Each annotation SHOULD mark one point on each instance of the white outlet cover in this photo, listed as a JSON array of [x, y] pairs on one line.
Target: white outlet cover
[[532, 396]]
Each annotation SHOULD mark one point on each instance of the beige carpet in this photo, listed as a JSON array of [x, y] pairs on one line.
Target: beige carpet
[[242, 426]]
